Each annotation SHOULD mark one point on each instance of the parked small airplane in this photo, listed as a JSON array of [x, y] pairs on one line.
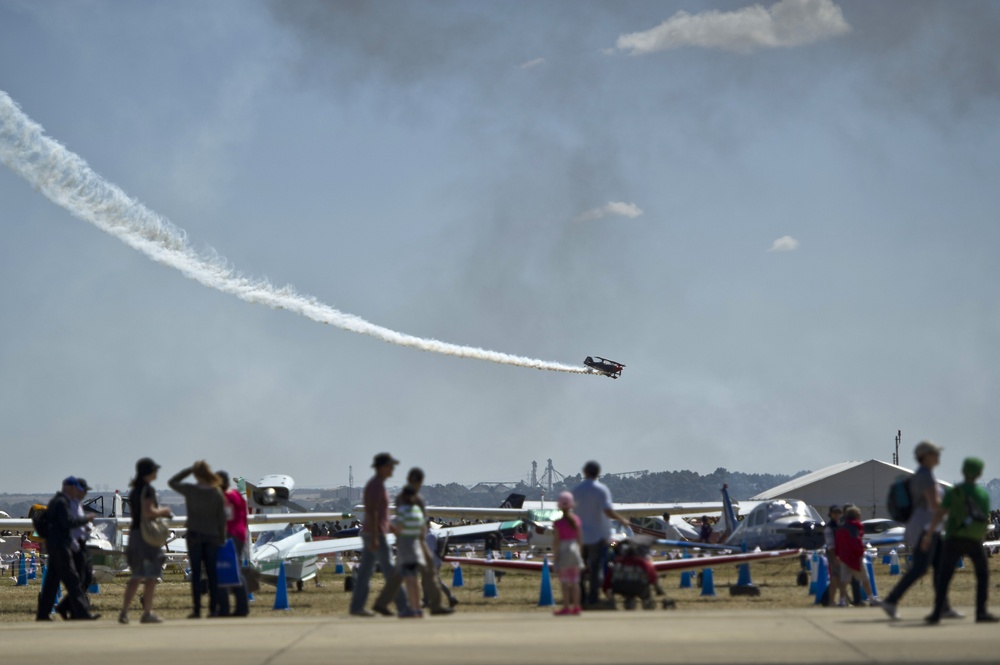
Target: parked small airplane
[[775, 525], [604, 366]]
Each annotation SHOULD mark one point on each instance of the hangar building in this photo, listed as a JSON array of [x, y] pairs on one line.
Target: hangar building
[[865, 484]]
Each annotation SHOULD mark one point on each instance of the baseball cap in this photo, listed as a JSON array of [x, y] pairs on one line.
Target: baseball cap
[[83, 484], [382, 459], [972, 466], [926, 448], [73, 481]]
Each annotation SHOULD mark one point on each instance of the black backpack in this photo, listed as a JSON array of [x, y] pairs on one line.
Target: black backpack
[[40, 522], [900, 500]]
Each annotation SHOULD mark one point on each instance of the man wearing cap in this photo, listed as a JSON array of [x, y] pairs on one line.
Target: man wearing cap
[[967, 506], [78, 546], [921, 537], [60, 564], [373, 535], [595, 510]]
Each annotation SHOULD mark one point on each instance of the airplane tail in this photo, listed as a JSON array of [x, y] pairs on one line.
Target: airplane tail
[[728, 513], [513, 501]]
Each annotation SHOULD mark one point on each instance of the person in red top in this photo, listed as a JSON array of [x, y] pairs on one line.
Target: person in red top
[[238, 529], [850, 549]]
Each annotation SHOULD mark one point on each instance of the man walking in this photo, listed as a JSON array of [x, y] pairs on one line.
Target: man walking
[[921, 538], [968, 507], [78, 545], [60, 566], [373, 536], [595, 510]]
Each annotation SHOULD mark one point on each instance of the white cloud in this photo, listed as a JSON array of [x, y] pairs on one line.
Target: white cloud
[[618, 208], [783, 24], [784, 244], [532, 63]]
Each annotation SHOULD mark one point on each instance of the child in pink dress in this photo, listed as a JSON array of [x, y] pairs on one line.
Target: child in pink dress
[[567, 544]]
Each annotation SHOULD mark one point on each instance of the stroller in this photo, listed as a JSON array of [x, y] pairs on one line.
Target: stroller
[[632, 576]]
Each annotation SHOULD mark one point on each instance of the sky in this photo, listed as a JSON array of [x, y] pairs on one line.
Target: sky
[[781, 217]]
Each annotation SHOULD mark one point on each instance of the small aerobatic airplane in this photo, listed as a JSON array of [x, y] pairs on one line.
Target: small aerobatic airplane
[[600, 365]]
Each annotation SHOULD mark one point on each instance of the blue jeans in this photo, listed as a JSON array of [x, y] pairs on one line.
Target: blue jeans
[[363, 577]]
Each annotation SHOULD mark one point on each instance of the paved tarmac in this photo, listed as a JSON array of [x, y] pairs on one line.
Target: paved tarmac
[[808, 635]]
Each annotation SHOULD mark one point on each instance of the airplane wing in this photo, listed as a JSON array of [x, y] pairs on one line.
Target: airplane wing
[[646, 509], [330, 546], [535, 565], [467, 512]]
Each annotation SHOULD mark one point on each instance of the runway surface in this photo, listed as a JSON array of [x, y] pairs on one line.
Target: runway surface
[[810, 635]]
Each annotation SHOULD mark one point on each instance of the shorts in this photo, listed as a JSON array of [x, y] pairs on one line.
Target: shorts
[[569, 575], [409, 569], [847, 573]]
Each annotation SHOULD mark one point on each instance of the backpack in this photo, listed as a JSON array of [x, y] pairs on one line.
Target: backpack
[[966, 509], [40, 522], [900, 500]]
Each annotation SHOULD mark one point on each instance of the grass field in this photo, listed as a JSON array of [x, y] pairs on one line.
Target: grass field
[[517, 592]]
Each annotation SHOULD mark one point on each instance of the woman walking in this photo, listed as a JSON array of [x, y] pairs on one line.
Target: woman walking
[[145, 560]]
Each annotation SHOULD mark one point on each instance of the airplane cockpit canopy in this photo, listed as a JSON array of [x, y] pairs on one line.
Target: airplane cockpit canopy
[[781, 509]]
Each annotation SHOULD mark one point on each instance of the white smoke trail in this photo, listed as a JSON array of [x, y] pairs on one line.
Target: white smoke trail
[[69, 182]]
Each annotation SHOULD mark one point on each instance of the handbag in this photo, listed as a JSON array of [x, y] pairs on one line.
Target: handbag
[[155, 532]]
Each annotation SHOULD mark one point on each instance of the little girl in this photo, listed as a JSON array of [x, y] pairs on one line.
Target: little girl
[[567, 545]]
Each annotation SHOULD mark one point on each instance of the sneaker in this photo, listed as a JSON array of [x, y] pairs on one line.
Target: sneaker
[[384, 611], [951, 613], [575, 611], [411, 614], [123, 618], [150, 618], [453, 601], [566, 611], [987, 618], [875, 601], [362, 613], [932, 619], [842, 603], [890, 609]]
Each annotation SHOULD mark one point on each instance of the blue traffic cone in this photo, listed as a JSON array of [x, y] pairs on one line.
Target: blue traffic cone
[[22, 572], [744, 575], [886, 559], [94, 589], [338, 569], [545, 598], [822, 579], [281, 597], [490, 584], [707, 582], [813, 574], [686, 575], [457, 580], [871, 574], [893, 563]]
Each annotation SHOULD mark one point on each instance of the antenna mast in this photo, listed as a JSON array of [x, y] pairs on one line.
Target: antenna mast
[[899, 438]]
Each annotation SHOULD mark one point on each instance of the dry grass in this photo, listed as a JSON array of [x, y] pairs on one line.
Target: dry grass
[[517, 592]]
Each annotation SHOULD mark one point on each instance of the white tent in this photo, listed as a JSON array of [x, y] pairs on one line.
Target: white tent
[[864, 484]]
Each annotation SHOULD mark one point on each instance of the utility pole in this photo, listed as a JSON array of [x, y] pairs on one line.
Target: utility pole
[[899, 438]]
